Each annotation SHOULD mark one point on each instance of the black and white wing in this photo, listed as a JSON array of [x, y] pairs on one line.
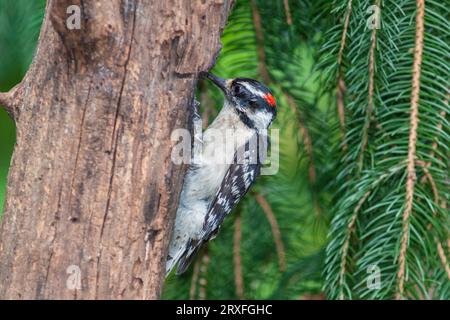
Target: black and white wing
[[239, 177]]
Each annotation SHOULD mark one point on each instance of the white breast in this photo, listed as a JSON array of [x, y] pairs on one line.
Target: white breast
[[220, 141]]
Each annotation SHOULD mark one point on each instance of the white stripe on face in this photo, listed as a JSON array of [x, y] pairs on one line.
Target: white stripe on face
[[252, 89]]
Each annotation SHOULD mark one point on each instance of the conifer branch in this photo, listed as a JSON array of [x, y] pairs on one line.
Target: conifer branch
[[344, 32], [443, 257], [199, 275], [340, 92], [369, 110], [440, 249], [238, 278], [288, 12], [203, 274], [435, 143], [350, 230], [194, 280], [307, 141], [267, 209], [260, 43], [427, 176], [352, 222], [414, 120], [340, 87]]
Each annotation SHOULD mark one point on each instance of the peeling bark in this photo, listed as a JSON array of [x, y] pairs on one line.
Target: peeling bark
[[91, 183]]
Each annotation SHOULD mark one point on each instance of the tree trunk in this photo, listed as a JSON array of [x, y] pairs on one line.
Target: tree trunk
[[92, 191]]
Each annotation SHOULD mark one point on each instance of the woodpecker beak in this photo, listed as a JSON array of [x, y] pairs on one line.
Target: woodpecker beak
[[221, 83]]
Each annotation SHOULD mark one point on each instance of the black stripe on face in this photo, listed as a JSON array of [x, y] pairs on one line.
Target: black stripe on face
[[245, 119]]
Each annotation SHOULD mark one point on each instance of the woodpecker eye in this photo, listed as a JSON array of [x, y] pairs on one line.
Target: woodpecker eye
[[237, 90], [240, 91]]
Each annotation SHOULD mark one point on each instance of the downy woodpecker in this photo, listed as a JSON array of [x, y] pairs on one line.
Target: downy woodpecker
[[216, 183]]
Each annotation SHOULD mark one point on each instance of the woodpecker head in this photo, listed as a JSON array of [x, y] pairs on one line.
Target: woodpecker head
[[253, 102]]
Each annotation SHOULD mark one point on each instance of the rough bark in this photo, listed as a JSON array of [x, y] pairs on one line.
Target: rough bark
[[91, 183]]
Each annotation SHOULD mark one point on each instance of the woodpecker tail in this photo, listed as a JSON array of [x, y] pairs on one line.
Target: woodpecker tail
[[188, 256], [172, 259], [183, 257], [177, 252], [170, 264]]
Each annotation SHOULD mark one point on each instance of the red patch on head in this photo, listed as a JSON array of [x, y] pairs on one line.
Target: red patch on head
[[270, 99]]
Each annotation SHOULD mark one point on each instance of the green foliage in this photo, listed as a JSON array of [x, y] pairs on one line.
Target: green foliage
[[372, 179]]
